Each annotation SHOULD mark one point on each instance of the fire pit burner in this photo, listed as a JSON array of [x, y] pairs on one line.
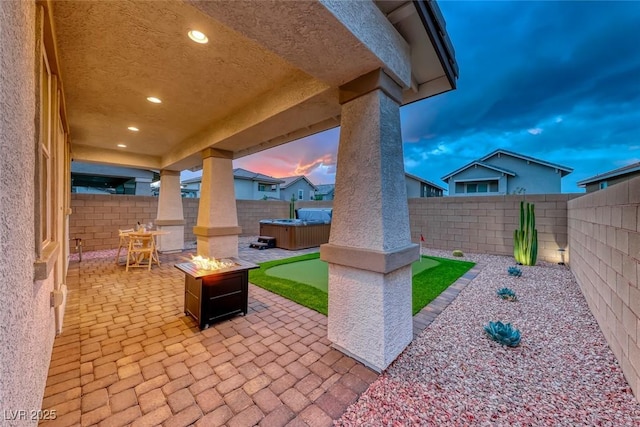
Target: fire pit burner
[[212, 295]]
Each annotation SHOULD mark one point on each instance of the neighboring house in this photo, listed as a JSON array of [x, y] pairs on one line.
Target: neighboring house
[[613, 177], [190, 188], [297, 186], [94, 178], [255, 186], [506, 172], [418, 187], [248, 185], [325, 191]]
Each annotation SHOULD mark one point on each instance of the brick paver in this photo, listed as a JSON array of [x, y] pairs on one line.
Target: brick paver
[[129, 355]]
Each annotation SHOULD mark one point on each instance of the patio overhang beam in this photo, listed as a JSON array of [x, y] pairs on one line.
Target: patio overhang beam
[[244, 129], [113, 157]]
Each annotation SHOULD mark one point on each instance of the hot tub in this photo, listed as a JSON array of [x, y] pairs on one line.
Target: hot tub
[[294, 234]]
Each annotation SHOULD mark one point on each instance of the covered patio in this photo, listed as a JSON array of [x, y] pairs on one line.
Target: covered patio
[[129, 354], [169, 86]]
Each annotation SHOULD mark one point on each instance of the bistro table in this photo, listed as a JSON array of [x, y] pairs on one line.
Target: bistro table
[[153, 234]]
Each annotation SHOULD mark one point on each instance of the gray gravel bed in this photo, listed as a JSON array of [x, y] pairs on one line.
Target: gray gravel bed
[[562, 374]]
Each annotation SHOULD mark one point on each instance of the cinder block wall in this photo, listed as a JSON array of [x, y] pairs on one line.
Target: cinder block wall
[[96, 218], [486, 223], [472, 224], [190, 211], [604, 236]]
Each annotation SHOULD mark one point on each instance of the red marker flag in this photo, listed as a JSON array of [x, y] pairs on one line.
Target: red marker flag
[[421, 238]]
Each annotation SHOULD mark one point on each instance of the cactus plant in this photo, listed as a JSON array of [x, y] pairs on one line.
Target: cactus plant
[[506, 293], [292, 207], [458, 253], [514, 271], [503, 333], [525, 238]]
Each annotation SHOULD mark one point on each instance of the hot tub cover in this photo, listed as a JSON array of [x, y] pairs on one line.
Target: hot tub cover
[[315, 214]]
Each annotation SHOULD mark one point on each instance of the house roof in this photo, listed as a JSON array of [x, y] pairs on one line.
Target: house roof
[[633, 167], [290, 180], [565, 169], [240, 173], [192, 180], [255, 176], [424, 181], [325, 188], [478, 163]]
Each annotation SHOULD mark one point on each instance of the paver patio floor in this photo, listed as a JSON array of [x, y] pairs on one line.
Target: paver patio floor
[[129, 355]]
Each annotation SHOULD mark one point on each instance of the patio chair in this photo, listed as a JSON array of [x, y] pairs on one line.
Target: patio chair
[[124, 242], [141, 247]]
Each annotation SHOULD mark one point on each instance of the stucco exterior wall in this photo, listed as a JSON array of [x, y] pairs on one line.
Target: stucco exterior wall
[[413, 188], [611, 181], [486, 224], [533, 177], [244, 189], [604, 236], [27, 331], [285, 193]]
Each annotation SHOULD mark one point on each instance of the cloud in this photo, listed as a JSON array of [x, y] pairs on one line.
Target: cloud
[[568, 67], [564, 72], [314, 156]]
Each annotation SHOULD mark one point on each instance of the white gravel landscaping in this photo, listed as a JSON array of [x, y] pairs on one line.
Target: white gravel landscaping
[[562, 374]]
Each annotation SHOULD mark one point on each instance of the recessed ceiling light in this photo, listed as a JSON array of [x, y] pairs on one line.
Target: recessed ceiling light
[[122, 146], [198, 37], [154, 99], [133, 129]]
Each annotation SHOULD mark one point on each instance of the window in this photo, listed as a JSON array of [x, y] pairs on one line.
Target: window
[[603, 185], [480, 187], [300, 194], [46, 155], [266, 187]]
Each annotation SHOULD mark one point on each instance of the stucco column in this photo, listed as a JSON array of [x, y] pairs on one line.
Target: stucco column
[[217, 228], [170, 216], [370, 250]]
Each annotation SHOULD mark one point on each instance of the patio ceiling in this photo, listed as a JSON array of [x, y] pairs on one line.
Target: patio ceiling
[[269, 74]]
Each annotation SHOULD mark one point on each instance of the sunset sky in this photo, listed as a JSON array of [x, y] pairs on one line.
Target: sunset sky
[[559, 81]]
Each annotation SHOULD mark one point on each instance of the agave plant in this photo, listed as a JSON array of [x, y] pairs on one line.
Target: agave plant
[[458, 253], [506, 293], [503, 333], [514, 271]]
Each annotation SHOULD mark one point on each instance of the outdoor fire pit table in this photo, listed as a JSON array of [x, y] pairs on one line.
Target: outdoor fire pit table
[[211, 295]]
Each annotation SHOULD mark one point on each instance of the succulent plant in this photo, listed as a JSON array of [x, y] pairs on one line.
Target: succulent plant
[[514, 271], [458, 253], [503, 333], [506, 293]]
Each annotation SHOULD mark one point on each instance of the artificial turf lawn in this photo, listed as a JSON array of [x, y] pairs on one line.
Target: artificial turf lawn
[[314, 272], [427, 284]]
